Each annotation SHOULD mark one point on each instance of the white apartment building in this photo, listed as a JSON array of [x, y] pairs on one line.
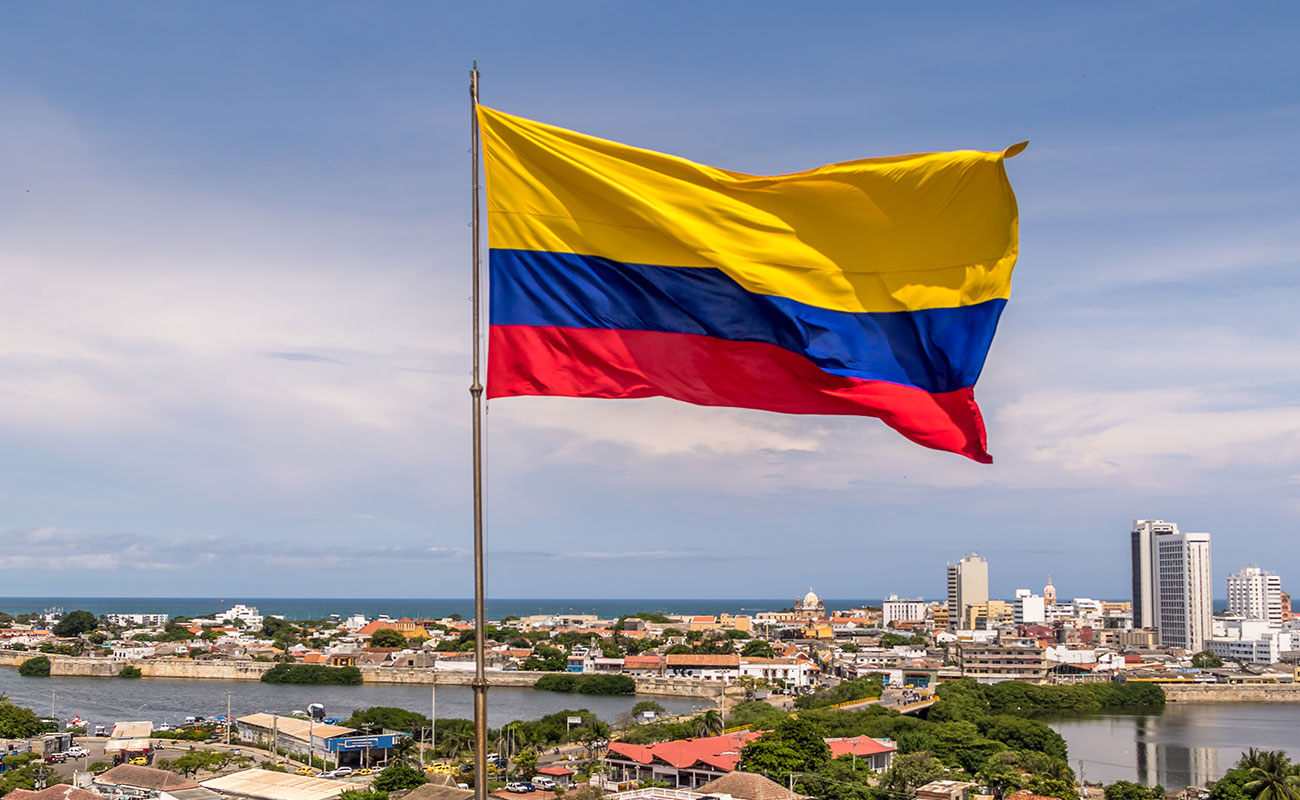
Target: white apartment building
[[137, 620], [1172, 588], [1250, 641], [1028, 608], [1185, 604], [896, 609], [245, 614], [968, 585], [1255, 594]]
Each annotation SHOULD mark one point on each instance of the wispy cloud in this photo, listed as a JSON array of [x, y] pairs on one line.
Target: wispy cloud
[[305, 357]]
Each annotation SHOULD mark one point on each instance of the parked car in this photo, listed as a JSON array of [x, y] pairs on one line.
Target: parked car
[[56, 758], [212, 740], [517, 787], [342, 772], [139, 761], [77, 751], [543, 782], [304, 771], [528, 787], [365, 771]]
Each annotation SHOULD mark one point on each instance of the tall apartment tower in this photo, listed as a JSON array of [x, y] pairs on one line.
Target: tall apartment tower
[[968, 585], [1172, 586], [1255, 594], [1145, 532]]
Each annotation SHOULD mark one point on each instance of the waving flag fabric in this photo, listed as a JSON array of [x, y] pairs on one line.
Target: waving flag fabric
[[867, 287]]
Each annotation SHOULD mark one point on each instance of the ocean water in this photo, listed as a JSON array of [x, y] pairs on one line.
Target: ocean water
[[294, 608]]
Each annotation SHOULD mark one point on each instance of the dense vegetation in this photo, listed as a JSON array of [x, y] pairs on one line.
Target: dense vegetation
[[17, 722], [964, 699], [1257, 775], [587, 684], [311, 673], [38, 667], [860, 689], [129, 671]]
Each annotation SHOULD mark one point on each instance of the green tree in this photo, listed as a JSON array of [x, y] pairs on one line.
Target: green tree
[[911, 770], [399, 776], [129, 671], [647, 705], [1272, 778], [526, 762], [1231, 785], [758, 648], [17, 722], [387, 637], [362, 794], [379, 718], [75, 623], [1128, 790], [1206, 660], [38, 667], [709, 723], [794, 745]]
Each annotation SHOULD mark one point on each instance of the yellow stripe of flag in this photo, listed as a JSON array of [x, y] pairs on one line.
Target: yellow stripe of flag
[[934, 230]]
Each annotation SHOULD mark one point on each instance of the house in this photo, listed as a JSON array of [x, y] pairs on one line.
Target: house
[[261, 784], [130, 780], [684, 763], [722, 667], [748, 786], [433, 791], [59, 791], [643, 665], [945, 790], [333, 742], [875, 754], [792, 671], [563, 776]]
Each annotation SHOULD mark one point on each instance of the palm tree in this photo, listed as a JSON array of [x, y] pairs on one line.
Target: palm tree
[[709, 723], [597, 731], [1273, 778]]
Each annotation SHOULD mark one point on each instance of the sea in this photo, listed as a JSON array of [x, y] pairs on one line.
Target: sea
[[302, 608]]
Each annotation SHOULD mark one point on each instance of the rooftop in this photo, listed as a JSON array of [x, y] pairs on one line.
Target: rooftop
[[266, 785], [143, 778]]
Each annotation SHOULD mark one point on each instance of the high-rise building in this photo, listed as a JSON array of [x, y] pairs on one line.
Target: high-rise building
[[968, 584], [1030, 609], [1144, 569], [1186, 589], [1255, 594], [1172, 587]]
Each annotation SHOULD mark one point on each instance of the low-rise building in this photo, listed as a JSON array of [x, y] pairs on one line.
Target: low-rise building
[[132, 781], [945, 790], [991, 663], [721, 667], [261, 784]]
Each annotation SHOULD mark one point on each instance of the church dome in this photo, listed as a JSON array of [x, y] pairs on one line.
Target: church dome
[[811, 599]]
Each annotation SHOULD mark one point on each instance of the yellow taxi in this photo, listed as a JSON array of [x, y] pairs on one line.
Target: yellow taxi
[[365, 771], [304, 771], [139, 761]]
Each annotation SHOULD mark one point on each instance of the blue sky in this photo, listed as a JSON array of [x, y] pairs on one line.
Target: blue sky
[[233, 325]]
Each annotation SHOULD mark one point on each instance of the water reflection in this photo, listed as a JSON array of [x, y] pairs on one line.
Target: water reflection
[[1185, 745]]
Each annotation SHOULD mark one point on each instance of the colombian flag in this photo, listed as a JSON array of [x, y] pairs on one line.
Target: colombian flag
[[867, 287]]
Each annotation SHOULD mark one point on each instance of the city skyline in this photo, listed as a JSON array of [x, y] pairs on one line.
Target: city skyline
[[234, 345]]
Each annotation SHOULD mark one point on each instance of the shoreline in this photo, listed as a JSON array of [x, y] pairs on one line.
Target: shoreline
[[185, 669]]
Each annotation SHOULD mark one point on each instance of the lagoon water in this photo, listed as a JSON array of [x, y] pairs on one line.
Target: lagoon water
[[1185, 745], [108, 700]]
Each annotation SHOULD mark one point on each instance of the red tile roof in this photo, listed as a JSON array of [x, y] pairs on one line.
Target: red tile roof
[[554, 771], [720, 752], [859, 745], [643, 662]]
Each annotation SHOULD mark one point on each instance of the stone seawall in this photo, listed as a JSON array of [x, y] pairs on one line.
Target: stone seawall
[[84, 667], [1233, 693]]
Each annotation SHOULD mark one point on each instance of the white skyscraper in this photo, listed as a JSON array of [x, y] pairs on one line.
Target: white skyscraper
[[968, 585], [1172, 585], [1186, 587], [1255, 594], [1029, 608], [1144, 569]]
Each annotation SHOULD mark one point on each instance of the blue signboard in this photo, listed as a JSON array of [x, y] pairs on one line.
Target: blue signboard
[[384, 741]]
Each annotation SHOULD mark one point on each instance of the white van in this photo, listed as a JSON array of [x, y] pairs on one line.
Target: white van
[[543, 782]]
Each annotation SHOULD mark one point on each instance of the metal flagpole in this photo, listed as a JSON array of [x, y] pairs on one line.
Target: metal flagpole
[[476, 394]]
